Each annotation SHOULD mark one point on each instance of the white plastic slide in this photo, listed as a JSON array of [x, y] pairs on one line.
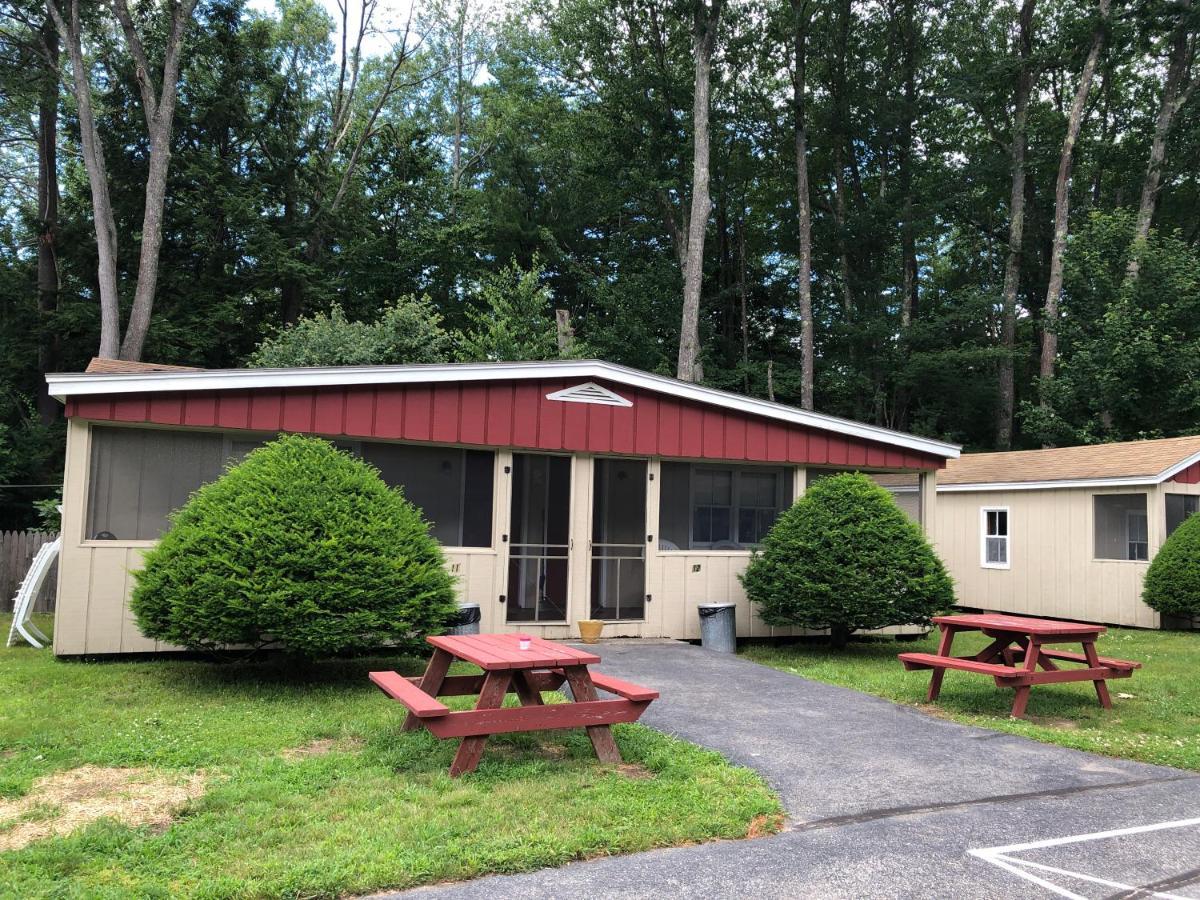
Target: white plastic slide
[[27, 593]]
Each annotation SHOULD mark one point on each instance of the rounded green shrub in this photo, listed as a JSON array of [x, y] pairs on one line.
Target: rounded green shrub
[[845, 557], [1172, 584], [299, 546]]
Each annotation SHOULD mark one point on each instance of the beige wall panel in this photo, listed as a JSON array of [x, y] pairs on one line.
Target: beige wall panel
[[75, 560], [1053, 570], [109, 597], [132, 639]]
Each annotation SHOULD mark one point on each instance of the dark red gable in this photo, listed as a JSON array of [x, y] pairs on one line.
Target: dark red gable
[[507, 414]]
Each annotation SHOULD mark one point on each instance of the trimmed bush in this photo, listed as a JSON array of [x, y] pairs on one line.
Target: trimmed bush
[[1172, 584], [299, 546], [845, 557]]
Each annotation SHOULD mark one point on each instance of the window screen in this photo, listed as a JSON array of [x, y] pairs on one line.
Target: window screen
[[139, 475], [451, 486], [1121, 527], [1179, 507], [703, 507], [905, 487]]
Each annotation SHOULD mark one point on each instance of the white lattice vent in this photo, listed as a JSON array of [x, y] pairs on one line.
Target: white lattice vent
[[589, 392]]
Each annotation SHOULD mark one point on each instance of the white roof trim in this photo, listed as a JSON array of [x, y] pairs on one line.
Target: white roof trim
[[589, 392], [1116, 481], [77, 384], [1141, 481]]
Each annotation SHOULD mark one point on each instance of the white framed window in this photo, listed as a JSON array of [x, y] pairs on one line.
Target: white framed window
[[994, 538]]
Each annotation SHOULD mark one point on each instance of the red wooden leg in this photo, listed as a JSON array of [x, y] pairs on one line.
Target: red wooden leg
[[529, 694], [582, 690], [935, 685], [935, 680], [431, 683], [1020, 702], [1101, 685], [491, 696]]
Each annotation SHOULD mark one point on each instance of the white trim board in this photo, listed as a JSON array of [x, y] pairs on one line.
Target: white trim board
[[78, 384]]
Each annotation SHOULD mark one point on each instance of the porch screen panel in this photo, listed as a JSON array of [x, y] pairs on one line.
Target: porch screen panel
[[1179, 507], [540, 539], [618, 547], [708, 507], [1121, 527], [452, 487], [138, 476]]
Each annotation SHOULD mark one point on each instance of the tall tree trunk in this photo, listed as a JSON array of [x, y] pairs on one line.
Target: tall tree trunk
[[743, 299], [47, 192], [1006, 398], [158, 107], [1177, 89], [1062, 195], [908, 242], [802, 14], [71, 31], [704, 35], [840, 139]]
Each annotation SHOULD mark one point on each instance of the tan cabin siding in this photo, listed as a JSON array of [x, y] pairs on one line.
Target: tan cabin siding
[[1052, 570]]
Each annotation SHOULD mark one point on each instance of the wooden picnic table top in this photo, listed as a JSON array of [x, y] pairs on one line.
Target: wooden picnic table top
[[497, 652], [1020, 625]]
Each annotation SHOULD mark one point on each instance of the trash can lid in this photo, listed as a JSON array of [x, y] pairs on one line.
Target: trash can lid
[[715, 605], [468, 606]]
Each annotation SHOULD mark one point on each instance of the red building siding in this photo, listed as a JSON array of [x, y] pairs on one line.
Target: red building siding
[[510, 414], [1190, 475]]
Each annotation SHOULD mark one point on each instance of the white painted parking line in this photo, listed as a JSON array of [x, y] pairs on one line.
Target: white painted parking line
[[1005, 858]]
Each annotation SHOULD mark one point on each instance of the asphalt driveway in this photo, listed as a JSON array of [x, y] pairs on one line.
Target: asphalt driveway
[[885, 801]]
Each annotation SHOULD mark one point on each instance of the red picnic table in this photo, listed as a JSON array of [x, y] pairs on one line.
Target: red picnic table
[[1017, 649], [513, 663]]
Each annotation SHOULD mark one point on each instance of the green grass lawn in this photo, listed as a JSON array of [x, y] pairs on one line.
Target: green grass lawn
[[376, 810], [1158, 723]]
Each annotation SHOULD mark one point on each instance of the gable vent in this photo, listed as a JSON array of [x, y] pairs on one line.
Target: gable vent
[[589, 392]]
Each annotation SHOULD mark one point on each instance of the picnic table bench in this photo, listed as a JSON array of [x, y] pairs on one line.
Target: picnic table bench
[[543, 666], [1017, 650]]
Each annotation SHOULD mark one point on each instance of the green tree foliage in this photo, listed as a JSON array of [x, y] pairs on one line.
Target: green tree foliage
[[1172, 584], [407, 331], [512, 319], [1131, 349], [845, 557], [291, 202], [299, 546]]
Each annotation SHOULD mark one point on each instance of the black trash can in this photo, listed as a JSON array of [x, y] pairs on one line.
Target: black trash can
[[718, 627], [468, 619]]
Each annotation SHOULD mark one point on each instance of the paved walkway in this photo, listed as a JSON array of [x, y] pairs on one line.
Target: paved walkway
[[883, 801]]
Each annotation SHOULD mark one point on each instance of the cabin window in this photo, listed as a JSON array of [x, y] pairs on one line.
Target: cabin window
[[1121, 527], [1179, 507], [995, 537], [706, 507], [138, 476]]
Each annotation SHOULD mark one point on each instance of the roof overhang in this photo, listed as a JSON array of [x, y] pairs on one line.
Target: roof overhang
[[63, 385], [1118, 481]]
